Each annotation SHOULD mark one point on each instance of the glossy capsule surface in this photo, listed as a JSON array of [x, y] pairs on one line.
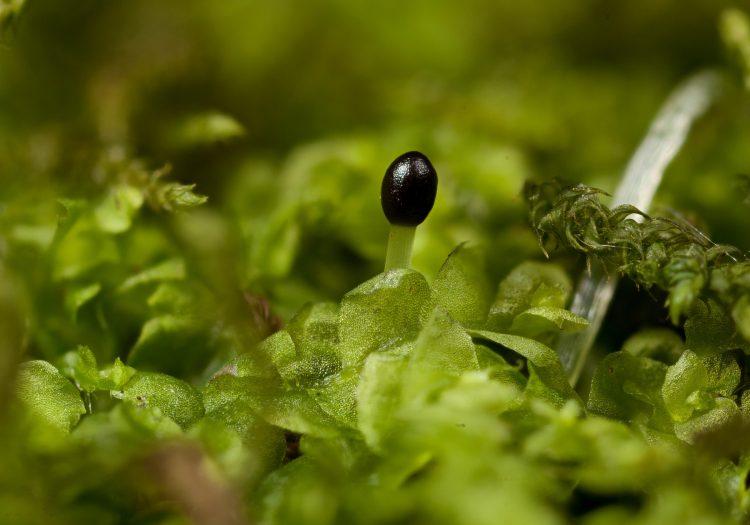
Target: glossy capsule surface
[[409, 188]]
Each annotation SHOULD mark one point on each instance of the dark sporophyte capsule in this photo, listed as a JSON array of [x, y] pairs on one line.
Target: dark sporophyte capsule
[[409, 188]]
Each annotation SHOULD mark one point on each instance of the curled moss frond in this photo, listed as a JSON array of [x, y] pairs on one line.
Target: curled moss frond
[[664, 252]]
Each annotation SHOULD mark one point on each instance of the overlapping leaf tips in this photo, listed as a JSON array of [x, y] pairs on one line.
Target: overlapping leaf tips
[[668, 253]]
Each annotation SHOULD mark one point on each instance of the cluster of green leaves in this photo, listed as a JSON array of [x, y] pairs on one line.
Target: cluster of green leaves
[[92, 277], [413, 402], [694, 389], [99, 432], [658, 383], [109, 277], [706, 282]]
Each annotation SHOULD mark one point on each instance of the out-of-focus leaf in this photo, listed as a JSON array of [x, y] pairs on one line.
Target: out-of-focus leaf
[[81, 250], [9, 12], [79, 295], [741, 316], [275, 244], [80, 366], [660, 344], [298, 493], [180, 298], [170, 270], [171, 343], [115, 214], [71, 210], [204, 129], [39, 236], [266, 441], [224, 445], [735, 30], [173, 196]]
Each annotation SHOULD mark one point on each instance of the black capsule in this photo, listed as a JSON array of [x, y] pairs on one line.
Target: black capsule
[[409, 189]]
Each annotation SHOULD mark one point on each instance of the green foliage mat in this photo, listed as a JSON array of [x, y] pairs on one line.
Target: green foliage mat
[[209, 341]]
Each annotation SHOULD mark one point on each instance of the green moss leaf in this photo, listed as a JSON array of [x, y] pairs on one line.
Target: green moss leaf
[[656, 343], [441, 353], [314, 332], [281, 350], [176, 399], [693, 383], [264, 444], [723, 413], [126, 428], [542, 319], [78, 295], [628, 388], [204, 129], [314, 328], [115, 214], [530, 284], [709, 330], [462, 286], [381, 313], [116, 376], [379, 393], [169, 270], [171, 343], [735, 30], [173, 196], [48, 396], [80, 366], [548, 379], [299, 412]]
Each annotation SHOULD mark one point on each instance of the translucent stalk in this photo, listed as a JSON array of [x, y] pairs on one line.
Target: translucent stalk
[[641, 179], [400, 242]]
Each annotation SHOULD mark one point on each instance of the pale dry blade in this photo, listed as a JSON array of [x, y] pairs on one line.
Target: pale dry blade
[[639, 183]]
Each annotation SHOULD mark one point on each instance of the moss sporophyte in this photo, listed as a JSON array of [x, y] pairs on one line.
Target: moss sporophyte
[[407, 196]]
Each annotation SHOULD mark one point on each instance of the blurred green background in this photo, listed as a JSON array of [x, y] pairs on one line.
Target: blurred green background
[[285, 115]]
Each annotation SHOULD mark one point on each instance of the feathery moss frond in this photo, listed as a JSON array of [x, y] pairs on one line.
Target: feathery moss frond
[[663, 252]]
